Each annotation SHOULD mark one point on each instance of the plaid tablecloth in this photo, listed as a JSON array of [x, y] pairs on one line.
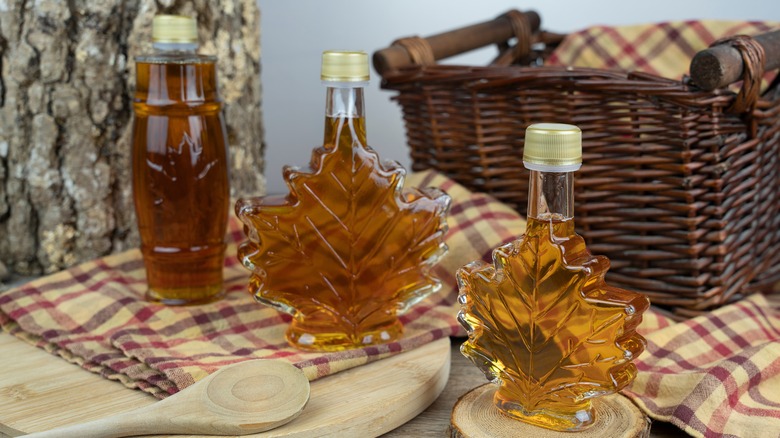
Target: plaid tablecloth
[[663, 49], [714, 375], [94, 314]]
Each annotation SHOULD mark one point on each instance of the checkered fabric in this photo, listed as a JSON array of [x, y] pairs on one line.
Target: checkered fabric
[[94, 314], [714, 375], [663, 49], [718, 374]]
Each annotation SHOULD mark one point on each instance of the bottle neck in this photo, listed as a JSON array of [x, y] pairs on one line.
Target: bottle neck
[[344, 102], [175, 53], [344, 108], [163, 48], [175, 73], [551, 196]]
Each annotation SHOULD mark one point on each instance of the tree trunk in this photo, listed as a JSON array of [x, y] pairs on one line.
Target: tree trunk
[[66, 81]]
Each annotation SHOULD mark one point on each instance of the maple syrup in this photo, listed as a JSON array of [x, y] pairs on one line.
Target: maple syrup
[[180, 176], [542, 322], [347, 250]]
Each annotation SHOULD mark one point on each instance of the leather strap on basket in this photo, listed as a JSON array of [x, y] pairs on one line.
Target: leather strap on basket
[[753, 59], [521, 27], [418, 49]]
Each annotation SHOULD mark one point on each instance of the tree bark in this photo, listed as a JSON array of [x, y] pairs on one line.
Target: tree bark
[[66, 81]]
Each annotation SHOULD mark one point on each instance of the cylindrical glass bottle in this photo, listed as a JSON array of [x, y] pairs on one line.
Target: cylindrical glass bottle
[[180, 167]]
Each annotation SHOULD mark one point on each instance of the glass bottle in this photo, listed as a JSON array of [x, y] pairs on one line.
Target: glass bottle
[[180, 167], [542, 322], [348, 250]]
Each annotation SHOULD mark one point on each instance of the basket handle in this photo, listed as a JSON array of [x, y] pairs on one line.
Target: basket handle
[[424, 51], [723, 63]]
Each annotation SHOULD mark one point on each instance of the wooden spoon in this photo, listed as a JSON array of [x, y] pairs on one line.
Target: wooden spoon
[[243, 398]]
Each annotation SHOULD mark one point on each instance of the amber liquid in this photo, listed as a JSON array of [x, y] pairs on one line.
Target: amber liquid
[[180, 179], [554, 351], [344, 269]]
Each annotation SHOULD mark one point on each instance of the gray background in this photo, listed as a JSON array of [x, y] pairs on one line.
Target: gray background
[[295, 32]]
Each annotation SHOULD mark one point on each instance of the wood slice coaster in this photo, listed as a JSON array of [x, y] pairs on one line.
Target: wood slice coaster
[[475, 415]]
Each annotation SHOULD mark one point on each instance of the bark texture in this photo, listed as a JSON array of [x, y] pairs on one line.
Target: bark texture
[[66, 82]]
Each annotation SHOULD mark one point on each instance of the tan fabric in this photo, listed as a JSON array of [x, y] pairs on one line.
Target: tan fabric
[[663, 49], [714, 375], [95, 315]]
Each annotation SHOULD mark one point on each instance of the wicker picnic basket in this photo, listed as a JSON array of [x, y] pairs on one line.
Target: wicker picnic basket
[[680, 186]]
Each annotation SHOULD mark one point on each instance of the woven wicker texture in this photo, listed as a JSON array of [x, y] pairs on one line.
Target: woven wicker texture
[[682, 195]]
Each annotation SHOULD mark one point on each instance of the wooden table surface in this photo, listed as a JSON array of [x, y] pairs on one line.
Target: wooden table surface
[[464, 376]]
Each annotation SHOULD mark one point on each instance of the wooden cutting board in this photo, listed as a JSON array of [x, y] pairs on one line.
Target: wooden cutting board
[[39, 391]]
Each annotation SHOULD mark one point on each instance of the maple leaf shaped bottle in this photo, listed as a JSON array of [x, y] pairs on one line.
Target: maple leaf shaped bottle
[[542, 322], [348, 249]]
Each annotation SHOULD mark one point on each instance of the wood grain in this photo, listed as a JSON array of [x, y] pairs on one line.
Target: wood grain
[[464, 376], [39, 392], [447, 44], [243, 398], [433, 421], [721, 65], [475, 415]]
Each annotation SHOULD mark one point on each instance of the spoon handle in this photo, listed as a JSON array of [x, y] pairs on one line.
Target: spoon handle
[[115, 426], [174, 415], [243, 398]]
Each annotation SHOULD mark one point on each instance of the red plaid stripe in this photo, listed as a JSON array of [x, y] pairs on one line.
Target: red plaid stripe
[[94, 314], [718, 374], [663, 49], [715, 375]]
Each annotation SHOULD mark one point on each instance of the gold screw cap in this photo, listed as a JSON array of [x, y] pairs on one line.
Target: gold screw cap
[[340, 66], [174, 29], [553, 147]]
